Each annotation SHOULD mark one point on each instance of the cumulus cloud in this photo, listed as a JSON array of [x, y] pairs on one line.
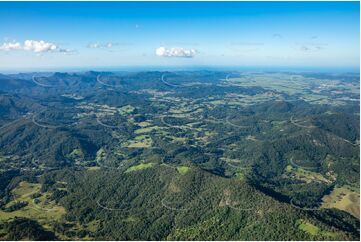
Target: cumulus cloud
[[101, 45], [39, 46], [175, 52], [11, 46], [30, 45]]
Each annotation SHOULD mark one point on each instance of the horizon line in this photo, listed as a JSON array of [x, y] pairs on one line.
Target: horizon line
[[315, 69]]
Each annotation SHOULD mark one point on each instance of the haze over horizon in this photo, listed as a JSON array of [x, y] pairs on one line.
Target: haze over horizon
[[46, 36]]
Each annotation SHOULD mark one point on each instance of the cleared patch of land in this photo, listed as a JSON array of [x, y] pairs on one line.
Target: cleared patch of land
[[39, 205], [141, 141], [146, 130], [183, 169], [140, 167], [308, 228], [344, 199], [128, 109], [312, 229], [93, 168], [304, 175]]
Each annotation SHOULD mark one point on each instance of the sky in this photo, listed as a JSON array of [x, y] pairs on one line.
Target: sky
[[55, 35]]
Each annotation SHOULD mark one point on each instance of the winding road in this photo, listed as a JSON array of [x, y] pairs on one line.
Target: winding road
[[106, 84], [40, 84]]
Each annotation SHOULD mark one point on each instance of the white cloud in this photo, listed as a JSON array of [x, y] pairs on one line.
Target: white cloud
[[175, 52], [93, 45], [101, 45], [11, 46], [29, 45], [39, 46]]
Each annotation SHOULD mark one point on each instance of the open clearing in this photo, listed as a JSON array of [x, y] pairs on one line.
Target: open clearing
[[344, 199], [305, 175], [313, 229], [40, 208], [141, 141], [182, 169], [308, 228], [140, 167]]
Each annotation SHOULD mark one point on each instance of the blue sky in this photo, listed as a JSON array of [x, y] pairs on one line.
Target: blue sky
[[43, 35]]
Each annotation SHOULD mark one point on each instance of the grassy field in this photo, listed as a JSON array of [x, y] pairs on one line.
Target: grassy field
[[308, 227], [300, 86], [101, 155], [76, 154], [141, 141], [144, 124], [44, 210], [305, 175], [93, 168], [313, 229], [344, 199], [182, 169], [146, 129], [128, 109], [140, 167]]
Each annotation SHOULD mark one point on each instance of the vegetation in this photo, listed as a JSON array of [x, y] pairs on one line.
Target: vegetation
[[25, 229], [140, 167], [183, 169], [308, 228], [258, 156], [344, 199]]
